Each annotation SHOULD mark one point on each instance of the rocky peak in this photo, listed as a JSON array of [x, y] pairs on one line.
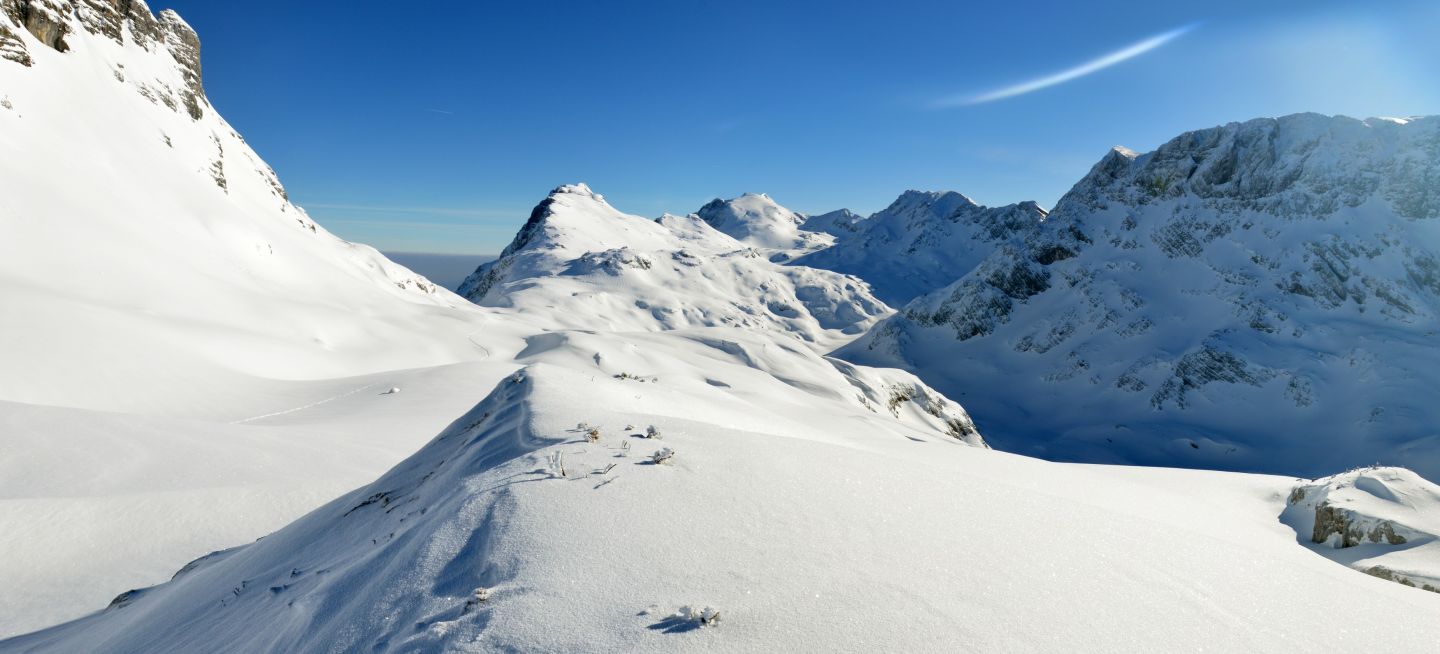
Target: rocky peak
[[1293, 166], [185, 47], [53, 22]]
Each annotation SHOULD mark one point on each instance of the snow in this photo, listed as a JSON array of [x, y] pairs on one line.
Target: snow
[[921, 242], [1383, 521], [757, 220], [843, 536], [1258, 297], [191, 367]]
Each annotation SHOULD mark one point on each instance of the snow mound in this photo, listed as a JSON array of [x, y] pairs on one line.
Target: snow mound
[[1382, 521]]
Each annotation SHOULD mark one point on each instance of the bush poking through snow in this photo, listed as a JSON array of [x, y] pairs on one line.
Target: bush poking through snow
[[652, 432], [592, 436], [556, 461], [662, 455], [706, 617], [624, 449], [480, 596]]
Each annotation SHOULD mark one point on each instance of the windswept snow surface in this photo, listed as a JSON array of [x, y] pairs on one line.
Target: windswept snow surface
[[810, 526]]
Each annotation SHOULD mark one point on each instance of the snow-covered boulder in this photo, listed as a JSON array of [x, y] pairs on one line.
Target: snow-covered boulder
[[1382, 521]]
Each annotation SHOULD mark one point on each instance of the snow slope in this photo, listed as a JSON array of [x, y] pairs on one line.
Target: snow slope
[[169, 250], [1259, 296], [814, 526], [189, 360]]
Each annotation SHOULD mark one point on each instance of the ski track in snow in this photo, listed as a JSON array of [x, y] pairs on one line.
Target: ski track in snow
[[306, 406]]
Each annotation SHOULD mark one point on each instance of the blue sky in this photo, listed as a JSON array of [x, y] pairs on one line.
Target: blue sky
[[435, 126]]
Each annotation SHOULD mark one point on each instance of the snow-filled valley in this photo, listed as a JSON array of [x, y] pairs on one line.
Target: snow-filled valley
[[223, 428]]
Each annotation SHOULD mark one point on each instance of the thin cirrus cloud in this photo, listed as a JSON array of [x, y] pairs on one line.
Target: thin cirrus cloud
[[1069, 74]]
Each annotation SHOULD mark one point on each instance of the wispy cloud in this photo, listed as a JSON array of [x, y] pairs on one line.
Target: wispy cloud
[[427, 211], [1092, 66], [441, 111]]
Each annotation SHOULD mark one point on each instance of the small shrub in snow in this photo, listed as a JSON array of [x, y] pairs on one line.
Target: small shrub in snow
[[624, 449], [556, 461], [480, 596], [592, 436], [652, 432], [662, 455], [706, 617], [629, 427]]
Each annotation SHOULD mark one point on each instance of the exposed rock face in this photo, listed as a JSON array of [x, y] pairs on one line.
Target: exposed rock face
[[185, 47], [1254, 296], [44, 19], [121, 21], [1351, 528], [12, 48]]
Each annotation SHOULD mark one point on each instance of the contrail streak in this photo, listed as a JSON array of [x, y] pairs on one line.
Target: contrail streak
[[1094, 65]]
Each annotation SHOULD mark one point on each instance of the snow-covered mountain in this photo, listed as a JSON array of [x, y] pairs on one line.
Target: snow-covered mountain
[[189, 361], [585, 265], [139, 229], [1257, 296], [641, 416], [756, 220], [921, 242], [841, 223]]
